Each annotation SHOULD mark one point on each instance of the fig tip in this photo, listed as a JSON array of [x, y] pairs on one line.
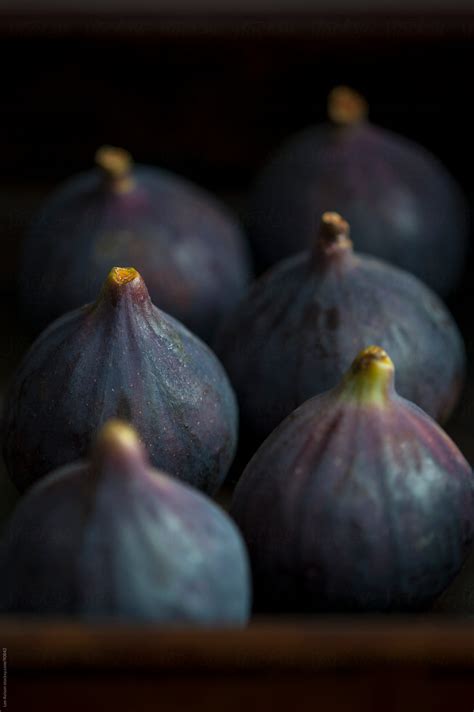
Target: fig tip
[[123, 275], [346, 106], [333, 236], [370, 356], [334, 224], [117, 433], [369, 379], [116, 162]]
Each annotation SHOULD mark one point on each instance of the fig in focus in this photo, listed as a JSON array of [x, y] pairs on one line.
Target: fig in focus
[[190, 250], [121, 357], [357, 501], [114, 539], [401, 202], [296, 332]]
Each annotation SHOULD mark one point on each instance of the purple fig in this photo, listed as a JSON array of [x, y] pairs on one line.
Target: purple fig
[[121, 357], [357, 501], [191, 252], [114, 539], [296, 332], [402, 204]]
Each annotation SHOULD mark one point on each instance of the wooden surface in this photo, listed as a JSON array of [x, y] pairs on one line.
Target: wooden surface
[[341, 664]]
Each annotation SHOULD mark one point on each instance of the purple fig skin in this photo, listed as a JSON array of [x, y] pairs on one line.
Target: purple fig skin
[[296, 332], [402, 204], [189, 249], [355, 503], [114, 539], [121, 357]]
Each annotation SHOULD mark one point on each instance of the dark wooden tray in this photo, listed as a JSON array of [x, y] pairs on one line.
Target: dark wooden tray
[[371, 665]]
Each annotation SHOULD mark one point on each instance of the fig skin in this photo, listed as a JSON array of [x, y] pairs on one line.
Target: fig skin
[[402, 204], [190, 250], [358, 501], [114, 539], [296, 332], [121, 357]]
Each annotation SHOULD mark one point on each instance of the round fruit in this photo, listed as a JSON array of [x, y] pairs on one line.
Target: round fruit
[[296, 332], [114, 539], [121, 357], [357, 501], [189, 249], [402, 204]]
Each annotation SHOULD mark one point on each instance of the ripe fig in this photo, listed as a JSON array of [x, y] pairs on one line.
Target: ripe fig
[[191, 252], [115, 539], [296, 332], [357, 501], [121, 357], [402, 204]]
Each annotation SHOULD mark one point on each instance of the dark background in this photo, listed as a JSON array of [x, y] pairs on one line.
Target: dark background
[[209, 95]]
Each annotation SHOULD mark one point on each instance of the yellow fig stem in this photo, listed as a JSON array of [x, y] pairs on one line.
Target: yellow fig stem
[[122, 275], [116, 165], [117, 434], [332, 240], [369, 380], [346, 107]]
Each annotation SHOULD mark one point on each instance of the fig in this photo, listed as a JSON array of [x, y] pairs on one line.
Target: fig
[[357, 501], [403, 205], [114, 539], [121, 357], [191, 252], [296, 332]]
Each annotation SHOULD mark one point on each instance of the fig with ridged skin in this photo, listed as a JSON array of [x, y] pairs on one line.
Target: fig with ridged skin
[[114, 539], [189, 249], [296, 332], [121, 357], [357, 501], [403, 205]]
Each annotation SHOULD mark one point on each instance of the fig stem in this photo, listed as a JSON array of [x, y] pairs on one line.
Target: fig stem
[[370, 378], [116, 165], [122, 275], [346, 107], [117, 433], [123, 285], [332, 240]]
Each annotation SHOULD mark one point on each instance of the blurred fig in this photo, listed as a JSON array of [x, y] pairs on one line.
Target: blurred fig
[[296, 332], [402, 204], [121, 357], [114, 539], [357, 501], [191, 252]]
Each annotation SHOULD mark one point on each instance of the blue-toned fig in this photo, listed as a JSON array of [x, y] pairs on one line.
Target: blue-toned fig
[[190, 250], [402, 204], [114, 539], [357, 501], [121, 357], [296, 332]]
